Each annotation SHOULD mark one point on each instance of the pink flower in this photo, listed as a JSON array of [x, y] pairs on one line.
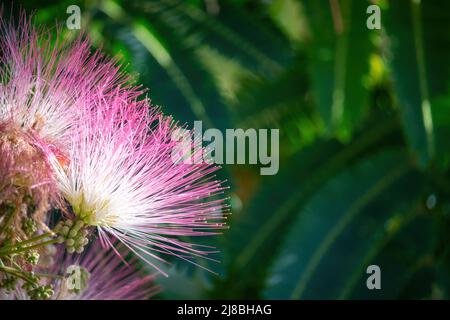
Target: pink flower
[[44, 81], [110, 151], [106, 277], [121, 178], [93, 275]]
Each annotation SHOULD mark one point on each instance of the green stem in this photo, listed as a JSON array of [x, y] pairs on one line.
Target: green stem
[[22, 243], [20, 250], [16, 273], [423, 83], [49, 275]]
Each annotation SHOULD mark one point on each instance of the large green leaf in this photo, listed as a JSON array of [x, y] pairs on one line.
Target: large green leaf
[[252, 41], [419, 44], [339, 52], [403, 252], [280, 103], [165, 63], [181, 284], [257, 233], [328, 242]]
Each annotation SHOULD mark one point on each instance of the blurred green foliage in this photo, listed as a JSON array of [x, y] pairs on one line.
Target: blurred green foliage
[[364, 117]]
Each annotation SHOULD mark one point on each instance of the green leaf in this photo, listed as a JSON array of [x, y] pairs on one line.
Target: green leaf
[[339, 62], [150, 40], [328, 241], [257, 233], [419, 44], [403, 253], [249, 39], [280, 103], [181, 284]]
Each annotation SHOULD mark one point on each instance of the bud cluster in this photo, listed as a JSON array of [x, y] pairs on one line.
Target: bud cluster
[[74, 234]]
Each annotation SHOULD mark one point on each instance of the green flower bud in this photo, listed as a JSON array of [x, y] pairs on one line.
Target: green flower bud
[[29, 226], [79, 249], [9, 283], [73, 232], [32, 257], [65, 231]]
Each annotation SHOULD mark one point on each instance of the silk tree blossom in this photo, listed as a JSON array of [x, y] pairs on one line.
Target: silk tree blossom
[[45, 80], [104, 277], [93, 275], [75, 135], [122, 179]]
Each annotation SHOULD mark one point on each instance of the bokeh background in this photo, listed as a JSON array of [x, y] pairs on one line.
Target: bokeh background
[[364, 119]]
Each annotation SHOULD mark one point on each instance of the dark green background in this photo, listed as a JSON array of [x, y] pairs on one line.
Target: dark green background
[[364, 173]]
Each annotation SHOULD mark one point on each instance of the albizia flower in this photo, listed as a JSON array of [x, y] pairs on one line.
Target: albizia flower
[[109, 150], [122, 179], [105, 277], [93, 275], [44, 80]]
